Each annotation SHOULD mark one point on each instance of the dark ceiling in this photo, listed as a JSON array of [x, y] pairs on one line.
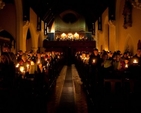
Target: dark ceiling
[[49, 9]]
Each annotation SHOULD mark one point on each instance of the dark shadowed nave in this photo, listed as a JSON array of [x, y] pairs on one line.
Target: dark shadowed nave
[[68, 96], [64, 96]]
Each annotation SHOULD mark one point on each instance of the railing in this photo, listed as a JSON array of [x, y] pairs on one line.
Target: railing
[[68, 43]]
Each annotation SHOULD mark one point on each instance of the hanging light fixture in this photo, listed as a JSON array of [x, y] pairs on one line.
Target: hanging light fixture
[[136, 3]]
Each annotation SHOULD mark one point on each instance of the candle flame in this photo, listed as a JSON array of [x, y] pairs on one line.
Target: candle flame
[[17, 65], [32, 63], [126, 65], [22, 69], [93, 60], [27, 66], [135, 61], [38, 62]]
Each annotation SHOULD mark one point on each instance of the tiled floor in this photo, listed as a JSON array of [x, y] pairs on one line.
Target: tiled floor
[[68, 96]]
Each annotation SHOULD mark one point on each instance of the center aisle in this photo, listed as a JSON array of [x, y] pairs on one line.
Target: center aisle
[[67, 103], [68, 95]]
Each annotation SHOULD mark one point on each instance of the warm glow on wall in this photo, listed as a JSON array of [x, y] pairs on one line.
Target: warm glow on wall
[[106, 49], [53, 28], [76, 35], [63, 35], [70, 36]]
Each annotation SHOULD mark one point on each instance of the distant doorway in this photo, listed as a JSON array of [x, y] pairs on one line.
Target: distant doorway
[[68, 55]]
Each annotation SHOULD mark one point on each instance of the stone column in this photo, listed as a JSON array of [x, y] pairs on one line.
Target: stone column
[[34, 49], [112, 36], [19, 27]]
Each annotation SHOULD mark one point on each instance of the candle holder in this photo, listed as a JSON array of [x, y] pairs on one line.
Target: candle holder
[[38, 62], [22, 71], [58, 57], [126, 66], [32, 68], [32, 63], [17, 65], [27, 67], [94, 61], [135, 61], [45, 59]]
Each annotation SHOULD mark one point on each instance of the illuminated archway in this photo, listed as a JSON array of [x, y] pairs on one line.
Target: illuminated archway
[[129, 44], [28, 41]]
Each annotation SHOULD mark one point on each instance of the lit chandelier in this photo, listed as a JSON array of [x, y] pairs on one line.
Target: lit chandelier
[[2, 4], [136, 3]]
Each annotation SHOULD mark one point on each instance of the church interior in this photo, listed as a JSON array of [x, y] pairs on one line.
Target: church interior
[[59, 56]]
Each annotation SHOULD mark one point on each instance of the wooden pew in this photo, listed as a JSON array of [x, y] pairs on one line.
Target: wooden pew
[[112, 82]]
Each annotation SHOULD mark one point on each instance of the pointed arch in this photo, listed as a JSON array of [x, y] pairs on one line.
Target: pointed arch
[[119, 6], [39, 42], [34, 37], [25, 32], [129, 44], [112, 36], [106, 33], [28, 40]]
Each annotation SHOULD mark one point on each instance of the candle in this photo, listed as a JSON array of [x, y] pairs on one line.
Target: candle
[[126, 65], [32, 68], [32, 63], [17, 65], [38, 61], [27, 67], [135, 61], [31, 71], [22, 69], [93, 60]]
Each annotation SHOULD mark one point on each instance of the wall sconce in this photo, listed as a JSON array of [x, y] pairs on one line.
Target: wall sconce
[[2, 4]]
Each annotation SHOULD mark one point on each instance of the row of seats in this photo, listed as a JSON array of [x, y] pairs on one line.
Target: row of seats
[[104, 87], [33, 90]]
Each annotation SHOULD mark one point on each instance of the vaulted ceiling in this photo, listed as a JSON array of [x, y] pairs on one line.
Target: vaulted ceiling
[[49, 9]]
